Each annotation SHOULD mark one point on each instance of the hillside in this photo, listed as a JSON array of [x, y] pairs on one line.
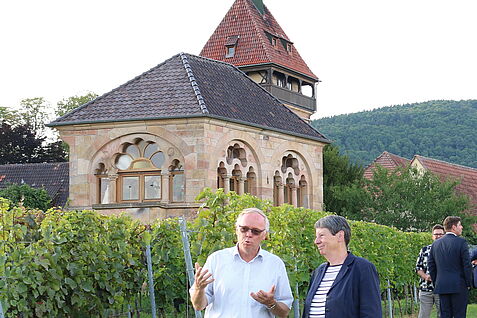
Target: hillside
[[440, 129]]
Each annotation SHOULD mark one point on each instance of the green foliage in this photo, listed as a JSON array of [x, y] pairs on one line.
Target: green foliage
[[68, 104], [443, 130], [170, 283], [410, 200], [28, 196], [343, 190], [7, 115], [79, 263], [34, 114]]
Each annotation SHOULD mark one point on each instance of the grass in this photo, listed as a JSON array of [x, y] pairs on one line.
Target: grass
[[471, 312]]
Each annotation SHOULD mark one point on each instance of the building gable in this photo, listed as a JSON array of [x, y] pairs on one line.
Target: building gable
[[259, 39]]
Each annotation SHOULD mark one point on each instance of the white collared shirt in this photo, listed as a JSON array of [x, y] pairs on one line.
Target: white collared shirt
[[229, 295]]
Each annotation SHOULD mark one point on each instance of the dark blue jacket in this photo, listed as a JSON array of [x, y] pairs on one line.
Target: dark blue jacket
[[449, 265], [355, 292]]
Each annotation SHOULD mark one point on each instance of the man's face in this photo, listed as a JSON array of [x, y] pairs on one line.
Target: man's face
[[437, 233], [326, 242], [250, 231], [458, 228]]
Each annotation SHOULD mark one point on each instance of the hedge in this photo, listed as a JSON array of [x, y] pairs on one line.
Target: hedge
[[68, 263]]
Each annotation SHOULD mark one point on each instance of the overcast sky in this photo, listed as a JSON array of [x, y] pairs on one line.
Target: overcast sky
[[367, 53]]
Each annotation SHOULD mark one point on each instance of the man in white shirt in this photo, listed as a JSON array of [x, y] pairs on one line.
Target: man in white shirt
[[244, 280]]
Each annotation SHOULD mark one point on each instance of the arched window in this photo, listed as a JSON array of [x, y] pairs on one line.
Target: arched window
[[237, 171], [139, 172]]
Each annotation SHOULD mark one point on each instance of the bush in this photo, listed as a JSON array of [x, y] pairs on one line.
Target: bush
[[79, 263], [29, 197]]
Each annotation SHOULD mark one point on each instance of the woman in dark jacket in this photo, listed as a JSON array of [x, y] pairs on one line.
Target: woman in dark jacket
[[346, 286]]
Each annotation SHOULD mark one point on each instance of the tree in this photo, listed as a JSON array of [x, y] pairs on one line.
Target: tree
[[34, 113], [68, 104], [21, 145], [342, 183], [411, 200], [26, 195], [8, 115]]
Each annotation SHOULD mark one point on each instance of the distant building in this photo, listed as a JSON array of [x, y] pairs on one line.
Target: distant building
[[53, 177], [150, 146], [465, 175]]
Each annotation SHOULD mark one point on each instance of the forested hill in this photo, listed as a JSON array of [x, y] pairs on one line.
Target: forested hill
[[441, 129]]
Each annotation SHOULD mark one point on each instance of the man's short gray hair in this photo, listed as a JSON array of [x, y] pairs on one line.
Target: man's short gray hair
[[254, 210], [335, 223]]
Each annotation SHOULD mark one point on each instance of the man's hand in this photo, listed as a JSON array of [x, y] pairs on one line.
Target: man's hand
[[202, 277], [197, 292], [266, 298]]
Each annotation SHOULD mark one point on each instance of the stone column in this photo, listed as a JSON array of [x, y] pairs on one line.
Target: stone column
[[241, 185], [165, 176], [280, 193], [226, 178], [112, 190], [294, 198]]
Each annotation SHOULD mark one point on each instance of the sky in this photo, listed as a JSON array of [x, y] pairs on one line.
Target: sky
[[367, 53]]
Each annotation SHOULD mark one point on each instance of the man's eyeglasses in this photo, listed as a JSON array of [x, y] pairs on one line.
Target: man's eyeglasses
[[438, 234], [245, 229]]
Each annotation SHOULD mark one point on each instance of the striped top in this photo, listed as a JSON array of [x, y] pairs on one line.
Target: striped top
[[318, 304]]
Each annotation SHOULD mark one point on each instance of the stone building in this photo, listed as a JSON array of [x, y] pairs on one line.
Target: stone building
[[150, 146]]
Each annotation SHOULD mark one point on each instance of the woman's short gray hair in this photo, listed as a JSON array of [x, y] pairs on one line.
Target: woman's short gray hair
[[254, 210], [335, 223]]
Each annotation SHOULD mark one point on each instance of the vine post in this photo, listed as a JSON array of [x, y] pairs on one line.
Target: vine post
[[390, 301], [151, 280], [187, 256], [1, 310]]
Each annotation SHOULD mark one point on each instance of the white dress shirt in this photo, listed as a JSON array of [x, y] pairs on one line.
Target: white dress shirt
[[229, 295]]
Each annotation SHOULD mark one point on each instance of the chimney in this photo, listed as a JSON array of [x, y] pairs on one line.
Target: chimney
[[259, 5]]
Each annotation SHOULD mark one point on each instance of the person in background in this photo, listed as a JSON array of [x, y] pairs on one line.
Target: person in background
[[346, 286], [244, 280], [427, 297], [450, 269]]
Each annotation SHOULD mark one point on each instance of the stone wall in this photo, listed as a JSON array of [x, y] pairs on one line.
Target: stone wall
[[202, 145]]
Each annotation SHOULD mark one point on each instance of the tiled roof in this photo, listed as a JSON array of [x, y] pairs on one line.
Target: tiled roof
[[192, 86], [387, 160], [466, 175], [254, 45], [53, 177]]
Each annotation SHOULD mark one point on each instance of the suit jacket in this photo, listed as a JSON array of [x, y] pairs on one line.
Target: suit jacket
[[449, 265], [355, 292], [473, 256]]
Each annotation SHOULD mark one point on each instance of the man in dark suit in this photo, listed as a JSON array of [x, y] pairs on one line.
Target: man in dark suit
[[450, 269]]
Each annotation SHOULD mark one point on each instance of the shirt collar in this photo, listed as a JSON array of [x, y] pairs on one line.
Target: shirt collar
[[451, 233], [259, 255]]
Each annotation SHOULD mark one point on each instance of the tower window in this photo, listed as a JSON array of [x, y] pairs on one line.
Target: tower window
[[230, 51], [231, 45]]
